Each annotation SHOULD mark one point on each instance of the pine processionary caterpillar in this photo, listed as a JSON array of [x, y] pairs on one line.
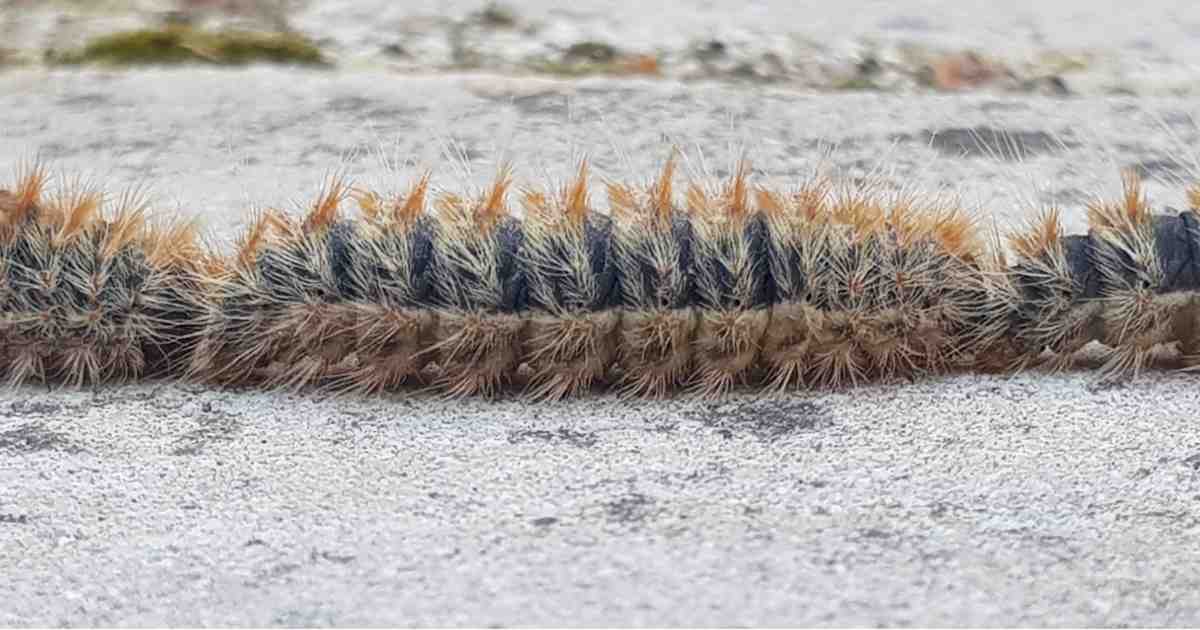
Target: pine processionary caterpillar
[[723, 286]]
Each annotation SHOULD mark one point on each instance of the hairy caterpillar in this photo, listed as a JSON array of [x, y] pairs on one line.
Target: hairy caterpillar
[[726, 285], [91, 290]]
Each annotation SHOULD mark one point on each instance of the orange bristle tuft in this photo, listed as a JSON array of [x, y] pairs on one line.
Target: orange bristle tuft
[[738, 193], [1127, 214], [1042, 235], [32, 178], [860, 210], [662, 195], [413, 206], [401, 211], [174, 243], [72, 210], [957, 233], [128, 222], [575, 197], [493, 207], [251, 243], [370, 203], [324, 210]]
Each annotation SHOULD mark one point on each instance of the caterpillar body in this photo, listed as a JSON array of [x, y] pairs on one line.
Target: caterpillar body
[[728, 285]]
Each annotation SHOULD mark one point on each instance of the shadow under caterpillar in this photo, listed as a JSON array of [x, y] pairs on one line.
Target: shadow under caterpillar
[[737, 285]]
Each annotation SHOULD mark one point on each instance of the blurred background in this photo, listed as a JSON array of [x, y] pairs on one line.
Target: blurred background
[[1060, 47]]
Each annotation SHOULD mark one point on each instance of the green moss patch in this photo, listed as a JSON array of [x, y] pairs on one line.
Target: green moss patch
[[183, 44]]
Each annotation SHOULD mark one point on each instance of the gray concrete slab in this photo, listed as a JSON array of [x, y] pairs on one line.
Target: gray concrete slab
[[965, 500]]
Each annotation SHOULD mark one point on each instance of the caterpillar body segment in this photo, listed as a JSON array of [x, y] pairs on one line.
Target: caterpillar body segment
[[391, 285], [572, 316], [1131, 283], [1056, 305], [798, 235], [305, 273], [1147, 267], [278, 312], [867, 289], [1187, 320], [652, 247], [480, 290], [90, 291], [931, 268], [732, 284]]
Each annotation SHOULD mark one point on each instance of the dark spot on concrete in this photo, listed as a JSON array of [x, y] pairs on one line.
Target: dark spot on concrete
[[766, 419], [580, 439], [325, 149], [344, 104], [497, 15], [1004, 106], [34, 438], [1166, 170], [812, 483], [1179, 120], [256, 542], [1193, 462], [1183, 517], [293, 618], [1102, 385], [1064, 196], [118, 395], [598, 52], [709, 472], [544, 521], [215, 426], [279, 570], [710, 50], [868, 66], [825, 146], [134, 146], [90, 99], [988, 142], [329, 556], [632, 508], [551, 104], [906, 23], [874, 533], [397, 50], [55, 150], [371, 109], [14, 519], [33, 408]]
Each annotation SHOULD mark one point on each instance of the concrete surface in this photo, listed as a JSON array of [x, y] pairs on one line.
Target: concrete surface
[[967, 500]]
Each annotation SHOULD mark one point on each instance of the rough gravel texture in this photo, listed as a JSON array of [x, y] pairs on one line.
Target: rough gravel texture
[[967, 500]]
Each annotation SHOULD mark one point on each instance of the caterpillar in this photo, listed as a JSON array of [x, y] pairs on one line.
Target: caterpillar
[[722, 286]]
